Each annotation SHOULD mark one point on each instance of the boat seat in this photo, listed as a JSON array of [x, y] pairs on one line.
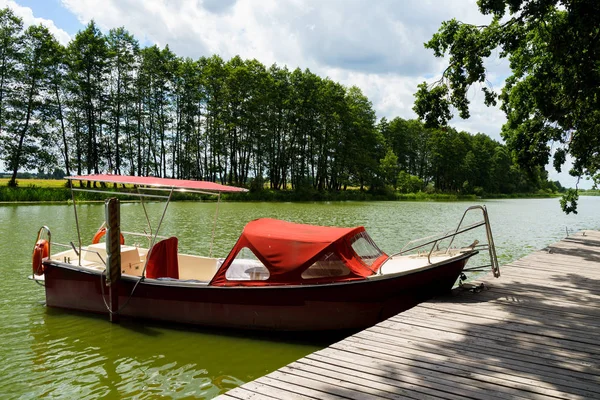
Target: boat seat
[[95, 256], [163, 261]]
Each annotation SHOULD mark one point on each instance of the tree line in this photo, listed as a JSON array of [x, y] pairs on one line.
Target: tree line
[[551, 99], [102, 103]]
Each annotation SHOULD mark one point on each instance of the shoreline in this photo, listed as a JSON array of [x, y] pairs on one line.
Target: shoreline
[[62, 195]]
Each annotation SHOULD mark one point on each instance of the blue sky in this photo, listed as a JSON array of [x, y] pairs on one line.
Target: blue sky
[[53, 10], [375, 45]]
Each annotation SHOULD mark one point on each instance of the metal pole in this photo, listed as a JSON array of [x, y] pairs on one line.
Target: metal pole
[[153, 238], [113, 252], [212, 238], [76, 221]]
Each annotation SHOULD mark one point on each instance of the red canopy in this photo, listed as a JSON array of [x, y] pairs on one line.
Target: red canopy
[[287, 249], [158, 182]]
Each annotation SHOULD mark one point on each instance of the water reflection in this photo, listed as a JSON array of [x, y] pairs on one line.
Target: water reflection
[[88, 357]]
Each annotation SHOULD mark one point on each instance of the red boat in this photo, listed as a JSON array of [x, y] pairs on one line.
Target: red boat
[[278, 276]]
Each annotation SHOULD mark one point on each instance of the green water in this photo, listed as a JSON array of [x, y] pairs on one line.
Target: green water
[[52, 353]]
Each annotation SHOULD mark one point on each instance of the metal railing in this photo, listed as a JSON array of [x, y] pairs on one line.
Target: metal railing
[[68, 246], [48, 235], [435, 241]]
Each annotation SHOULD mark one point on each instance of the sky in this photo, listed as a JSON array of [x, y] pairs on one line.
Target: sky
[[376, 45]]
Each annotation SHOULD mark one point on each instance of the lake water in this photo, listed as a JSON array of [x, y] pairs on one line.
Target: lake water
[[53, 353]]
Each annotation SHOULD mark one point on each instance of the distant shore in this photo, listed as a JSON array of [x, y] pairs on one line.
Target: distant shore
[[56, 191]]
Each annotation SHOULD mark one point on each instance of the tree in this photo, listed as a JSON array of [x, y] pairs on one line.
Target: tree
[[88, 66], [11, 40], [278, 120], [25, 132], [365, 145], [408, 183], [56, 102], [553, 94], [448, 151], [122, 51], [213, 80], [389, 168], [189, 96]]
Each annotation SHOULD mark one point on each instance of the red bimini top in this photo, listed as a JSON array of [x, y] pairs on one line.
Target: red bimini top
[[159, 182], [296, 254]]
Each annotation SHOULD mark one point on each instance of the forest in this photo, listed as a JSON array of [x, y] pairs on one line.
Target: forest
[[103, 103]]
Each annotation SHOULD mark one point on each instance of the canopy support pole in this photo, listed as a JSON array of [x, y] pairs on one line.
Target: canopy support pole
[[212, 239], [76, 221]]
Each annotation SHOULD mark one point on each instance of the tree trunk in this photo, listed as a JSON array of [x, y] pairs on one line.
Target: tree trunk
[[63, 131], [16, 157]]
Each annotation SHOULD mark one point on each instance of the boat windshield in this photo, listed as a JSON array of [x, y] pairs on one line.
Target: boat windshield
[[246, 267], [365, 248]]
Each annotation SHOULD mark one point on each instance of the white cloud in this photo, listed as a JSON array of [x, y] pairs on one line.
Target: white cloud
[[377, 46], [26, 14]]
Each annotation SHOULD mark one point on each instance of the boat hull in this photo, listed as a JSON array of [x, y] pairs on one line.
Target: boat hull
[[346, 305]]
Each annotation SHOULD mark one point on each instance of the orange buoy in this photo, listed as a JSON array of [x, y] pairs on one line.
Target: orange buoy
[[101, 232], [41, 250]]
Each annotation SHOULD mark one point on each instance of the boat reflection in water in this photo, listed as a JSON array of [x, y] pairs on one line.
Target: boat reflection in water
[[79, 355]]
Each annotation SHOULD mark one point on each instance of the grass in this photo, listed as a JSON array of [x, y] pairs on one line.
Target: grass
[[40, 183], [589, 192]]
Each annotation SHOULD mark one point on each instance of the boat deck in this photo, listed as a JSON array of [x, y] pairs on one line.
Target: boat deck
[[532, 334]]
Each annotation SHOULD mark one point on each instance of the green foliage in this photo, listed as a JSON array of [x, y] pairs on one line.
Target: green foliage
[[445, 160], [25, 141], [11, 42], [103, 104], [569, 201], [408, 183], [389, 167], [553, 94]]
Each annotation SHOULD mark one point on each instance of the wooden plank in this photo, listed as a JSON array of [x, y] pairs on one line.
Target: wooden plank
[[560, 357], [423, 366], [242, 393], [425, 377], [553, 263], [514, 303], [408, 391], [547, 324], [504, 379], [546, 264], [559, 286], [365, 388], [409, 383], [493, 332], [485, 321], [291, 389], [531, 316], [424, 381], [539, 302], [505, 316], [312, 386], [493, 364], [517, 360], [551, 277], [438, 339], [263, 388]]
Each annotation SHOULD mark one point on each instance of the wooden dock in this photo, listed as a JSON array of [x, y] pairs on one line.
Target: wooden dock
[[534, 333]]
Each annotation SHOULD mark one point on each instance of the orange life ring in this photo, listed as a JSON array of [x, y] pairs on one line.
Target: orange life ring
[[41, 250], [101, 232]]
